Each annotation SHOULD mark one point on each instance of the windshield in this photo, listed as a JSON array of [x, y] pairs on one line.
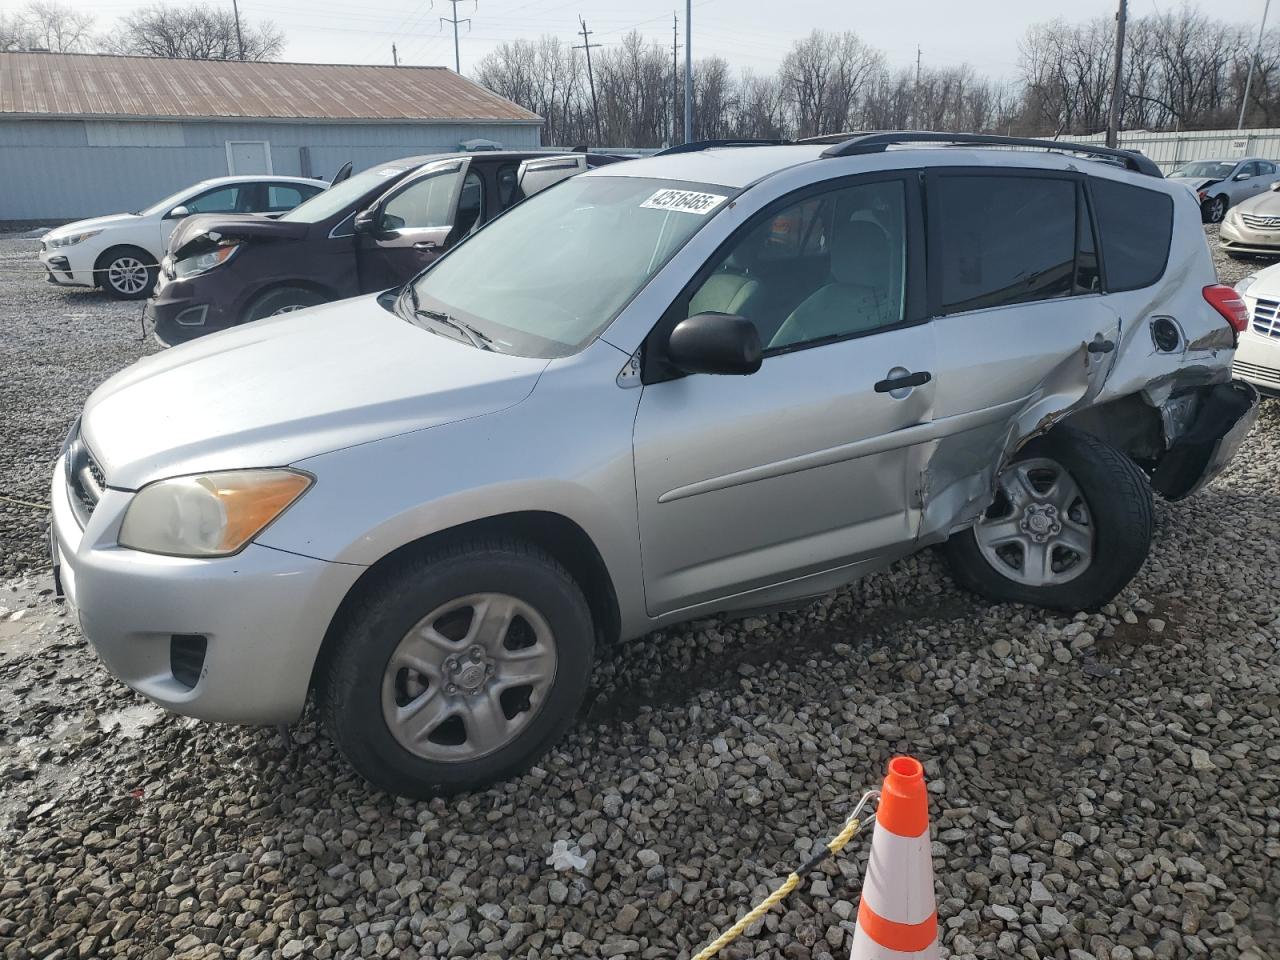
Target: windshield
[[545, 278], [171, 201], [1205, 168], [324, 205]]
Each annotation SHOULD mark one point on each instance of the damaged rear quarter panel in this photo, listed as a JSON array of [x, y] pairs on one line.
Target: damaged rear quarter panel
[[957, 473]]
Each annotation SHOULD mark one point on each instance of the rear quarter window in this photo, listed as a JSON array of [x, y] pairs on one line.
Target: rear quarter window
[[1136, 229]]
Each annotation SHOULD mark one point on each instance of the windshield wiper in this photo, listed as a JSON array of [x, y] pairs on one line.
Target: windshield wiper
[[474, 336], [478, 339]]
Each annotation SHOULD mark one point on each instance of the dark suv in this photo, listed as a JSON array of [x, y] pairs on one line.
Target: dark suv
[[370, 232]]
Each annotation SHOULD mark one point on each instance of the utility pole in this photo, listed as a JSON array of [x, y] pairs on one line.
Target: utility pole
[[591, 82], [915, 97], [675, 76], [457, 59], [688, 71], [395, 60], [235, 8], [1257, 53], [1117, 78]]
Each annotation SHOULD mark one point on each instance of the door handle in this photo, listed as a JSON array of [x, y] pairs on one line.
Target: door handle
[[1099, 344], [426, 245], [918, 379]]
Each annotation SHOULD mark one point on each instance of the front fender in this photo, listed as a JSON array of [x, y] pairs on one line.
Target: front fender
[[565, 450]]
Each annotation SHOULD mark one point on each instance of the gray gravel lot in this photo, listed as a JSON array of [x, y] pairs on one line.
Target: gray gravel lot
[[1102, 787]]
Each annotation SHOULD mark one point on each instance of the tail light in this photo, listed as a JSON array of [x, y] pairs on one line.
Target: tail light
[[1228, 303]]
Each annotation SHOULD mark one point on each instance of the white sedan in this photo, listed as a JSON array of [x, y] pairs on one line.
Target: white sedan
[[1258, 354], [121, 253]]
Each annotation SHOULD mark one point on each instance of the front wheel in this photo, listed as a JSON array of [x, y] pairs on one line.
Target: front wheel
[[459, 669], [1214, 209], [127, 274], [1070, 526], [280, 301]]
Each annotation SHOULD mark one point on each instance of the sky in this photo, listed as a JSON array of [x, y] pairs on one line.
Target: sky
[[750, 34]]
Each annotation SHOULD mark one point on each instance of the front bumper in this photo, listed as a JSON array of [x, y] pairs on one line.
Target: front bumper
[[1258, 360], [178, 311], [263, 614], [1237, 237], [63, 267]]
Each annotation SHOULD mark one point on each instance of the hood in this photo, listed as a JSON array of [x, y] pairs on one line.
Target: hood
[[93, 223], [1194, 184], [1265, 204], [290, 387], [191, 236]]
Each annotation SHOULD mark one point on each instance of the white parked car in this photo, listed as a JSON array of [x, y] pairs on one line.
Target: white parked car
[[1257, 357], [121, 253]]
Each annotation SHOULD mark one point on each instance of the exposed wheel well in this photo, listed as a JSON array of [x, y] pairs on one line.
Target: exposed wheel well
[[109, 254], [1128, 423], [559, 536]]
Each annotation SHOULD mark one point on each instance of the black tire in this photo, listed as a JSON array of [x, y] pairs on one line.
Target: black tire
[[281, 300], [1122, 514], [1214, 209], [127, 273], [351, 686]]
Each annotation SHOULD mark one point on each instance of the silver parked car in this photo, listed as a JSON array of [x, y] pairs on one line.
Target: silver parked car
[[1252, 228], [715, 381], [1221, 184]]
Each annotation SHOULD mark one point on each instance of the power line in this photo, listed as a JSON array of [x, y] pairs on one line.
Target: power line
[[457, 58], [591, 82]]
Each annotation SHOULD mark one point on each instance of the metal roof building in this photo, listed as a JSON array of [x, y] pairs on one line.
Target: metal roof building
[[87, 134]]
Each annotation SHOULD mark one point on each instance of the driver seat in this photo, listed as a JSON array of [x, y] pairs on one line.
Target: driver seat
[[731, 289]]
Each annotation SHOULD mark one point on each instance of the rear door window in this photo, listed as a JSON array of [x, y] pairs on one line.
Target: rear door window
[[1005, 239], [1135, 226], [286, 196]]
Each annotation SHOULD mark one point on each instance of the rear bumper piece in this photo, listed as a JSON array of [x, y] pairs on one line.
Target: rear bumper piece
[[1225, 415]]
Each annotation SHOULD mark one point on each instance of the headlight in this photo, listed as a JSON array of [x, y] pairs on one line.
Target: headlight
[[72, 238], [210, 514], [205, 261], [1243, 285]]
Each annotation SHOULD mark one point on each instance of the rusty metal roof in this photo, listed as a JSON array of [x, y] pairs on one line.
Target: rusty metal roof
[[95, 85]]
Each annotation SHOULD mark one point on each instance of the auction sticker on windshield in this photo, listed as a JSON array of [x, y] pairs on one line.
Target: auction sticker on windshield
[[684, 201]]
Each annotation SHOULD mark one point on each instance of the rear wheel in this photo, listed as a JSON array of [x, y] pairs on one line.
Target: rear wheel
[[127, 273], [459, 669], [281, 300], [1070, 526]]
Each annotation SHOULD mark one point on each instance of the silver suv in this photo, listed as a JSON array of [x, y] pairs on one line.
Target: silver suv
[[714, 381]]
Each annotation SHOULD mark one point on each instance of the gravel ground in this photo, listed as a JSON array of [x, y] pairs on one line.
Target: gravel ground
[[1102, 787]]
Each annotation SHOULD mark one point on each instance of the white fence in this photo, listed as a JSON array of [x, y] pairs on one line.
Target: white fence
[[1172, 150]]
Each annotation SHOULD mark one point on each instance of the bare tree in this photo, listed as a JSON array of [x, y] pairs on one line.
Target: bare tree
[[193, 33], [823, 76], [58, 28]]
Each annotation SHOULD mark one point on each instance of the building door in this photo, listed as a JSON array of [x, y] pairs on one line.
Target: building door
[[248, 157]]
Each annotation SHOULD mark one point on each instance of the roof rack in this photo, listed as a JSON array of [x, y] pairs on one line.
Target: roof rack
[[878, 142], [694, 146]]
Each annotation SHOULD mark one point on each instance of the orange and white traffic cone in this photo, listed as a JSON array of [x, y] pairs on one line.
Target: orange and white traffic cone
[[898, 917]]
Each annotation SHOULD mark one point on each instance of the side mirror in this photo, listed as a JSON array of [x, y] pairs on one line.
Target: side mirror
[[715, 343], [365, 221], [178, 212], [1241, 176], [1275, 185]]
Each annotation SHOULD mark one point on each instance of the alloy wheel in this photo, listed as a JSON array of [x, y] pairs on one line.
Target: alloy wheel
[[128, 275], [1039, 532], [468, 678]]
